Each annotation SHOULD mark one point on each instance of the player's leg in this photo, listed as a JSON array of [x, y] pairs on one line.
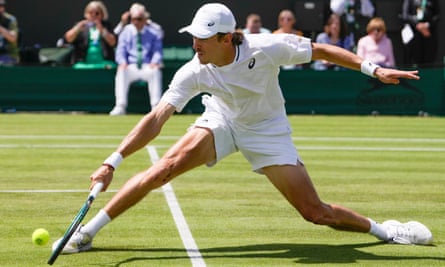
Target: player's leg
[[192, 150], [295, 184]]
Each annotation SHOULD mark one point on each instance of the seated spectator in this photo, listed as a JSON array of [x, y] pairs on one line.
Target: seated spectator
[[9, 53], [335, 33], [139, 57], [376, 46], [254, 25], [126, 19], [286, 23], [93, 38]]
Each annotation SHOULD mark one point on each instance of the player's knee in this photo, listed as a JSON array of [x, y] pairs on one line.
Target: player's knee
[[315, 216], [164, 171]]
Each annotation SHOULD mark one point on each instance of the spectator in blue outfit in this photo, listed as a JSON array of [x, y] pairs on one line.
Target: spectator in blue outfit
[[335, 33], [93, 38], [126, 19], [9, 53], [139, 57]]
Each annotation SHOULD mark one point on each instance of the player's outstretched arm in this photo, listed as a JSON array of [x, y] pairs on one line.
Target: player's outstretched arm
[[347, 59], [145, 131]]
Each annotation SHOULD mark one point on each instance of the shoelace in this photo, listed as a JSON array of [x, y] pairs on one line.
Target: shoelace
[[401, 234]]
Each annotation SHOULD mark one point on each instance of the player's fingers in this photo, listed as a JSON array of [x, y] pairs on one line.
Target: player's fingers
[[93, 183], [412, 75]]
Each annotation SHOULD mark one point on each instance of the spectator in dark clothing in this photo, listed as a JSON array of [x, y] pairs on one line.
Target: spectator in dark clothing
[[421, 19], [9, 32]]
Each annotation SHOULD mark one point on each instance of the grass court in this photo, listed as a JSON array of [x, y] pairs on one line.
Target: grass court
[[384, 167]]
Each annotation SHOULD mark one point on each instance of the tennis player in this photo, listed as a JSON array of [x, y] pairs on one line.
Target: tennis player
[[244, 112]]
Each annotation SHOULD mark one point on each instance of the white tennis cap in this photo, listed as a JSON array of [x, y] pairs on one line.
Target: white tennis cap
[[209, 20]]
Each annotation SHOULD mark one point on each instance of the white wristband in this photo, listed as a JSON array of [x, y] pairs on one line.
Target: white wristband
[[368, 68], [114, 160]]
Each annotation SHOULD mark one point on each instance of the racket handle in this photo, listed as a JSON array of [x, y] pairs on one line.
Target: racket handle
[[96, 189]]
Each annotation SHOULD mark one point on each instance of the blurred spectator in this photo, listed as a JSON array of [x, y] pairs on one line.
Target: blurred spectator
[[335, 33], [421, 39], [9, 33], [139, 56], [286, 23], [93, 38], [376, 46], [356, 13], [254, 25], [126, 19]]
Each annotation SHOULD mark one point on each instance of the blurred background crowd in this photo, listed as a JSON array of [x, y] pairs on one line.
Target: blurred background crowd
[[410, 28]]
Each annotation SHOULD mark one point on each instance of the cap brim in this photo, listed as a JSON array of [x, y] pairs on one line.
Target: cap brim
[[197, 32]]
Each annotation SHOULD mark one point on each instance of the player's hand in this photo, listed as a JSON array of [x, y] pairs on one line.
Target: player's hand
[[103, 174], [393, 75]]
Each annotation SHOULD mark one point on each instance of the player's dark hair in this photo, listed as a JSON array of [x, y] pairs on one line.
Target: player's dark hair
[[237, 37]]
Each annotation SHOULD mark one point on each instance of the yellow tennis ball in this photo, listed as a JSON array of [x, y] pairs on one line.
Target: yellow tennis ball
[[40, 237]]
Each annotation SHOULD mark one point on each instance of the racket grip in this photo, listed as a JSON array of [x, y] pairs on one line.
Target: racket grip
[[96, 189]]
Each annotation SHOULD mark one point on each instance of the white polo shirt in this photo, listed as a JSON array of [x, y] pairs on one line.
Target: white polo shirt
[[247, 91]]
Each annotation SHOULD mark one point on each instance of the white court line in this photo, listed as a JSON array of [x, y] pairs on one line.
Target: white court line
[[172, 137], [57, 146], [76, 137], [183, 228], [354, 148], [309, 148], [50, 191], [32, 191], [371, 139]]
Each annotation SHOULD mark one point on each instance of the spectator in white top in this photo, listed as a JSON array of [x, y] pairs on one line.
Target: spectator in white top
[[254, 25]]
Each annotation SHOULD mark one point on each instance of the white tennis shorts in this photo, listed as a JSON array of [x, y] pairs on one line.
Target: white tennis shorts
[[264, 144]]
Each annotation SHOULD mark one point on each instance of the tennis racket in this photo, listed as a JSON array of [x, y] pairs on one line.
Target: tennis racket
[[75, 223]]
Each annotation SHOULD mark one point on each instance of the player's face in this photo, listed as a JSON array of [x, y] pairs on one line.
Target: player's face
[[209, 50], [205, 48]]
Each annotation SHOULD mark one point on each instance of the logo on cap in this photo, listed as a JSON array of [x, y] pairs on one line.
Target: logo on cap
[[211, 24]]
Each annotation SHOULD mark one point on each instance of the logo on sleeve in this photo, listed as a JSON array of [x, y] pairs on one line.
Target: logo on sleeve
[[251, 63]]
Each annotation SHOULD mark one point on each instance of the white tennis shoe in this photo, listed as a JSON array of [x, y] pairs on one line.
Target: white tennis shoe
[[410, 233], [78, 242]]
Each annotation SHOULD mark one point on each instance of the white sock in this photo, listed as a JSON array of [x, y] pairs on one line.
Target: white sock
[[378, 230], [95, 224]]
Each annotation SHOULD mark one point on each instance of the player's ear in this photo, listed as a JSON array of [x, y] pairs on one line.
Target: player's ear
[[228, 38]]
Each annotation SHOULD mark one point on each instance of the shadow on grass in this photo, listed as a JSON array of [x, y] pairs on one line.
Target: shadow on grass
[[300, 253]]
